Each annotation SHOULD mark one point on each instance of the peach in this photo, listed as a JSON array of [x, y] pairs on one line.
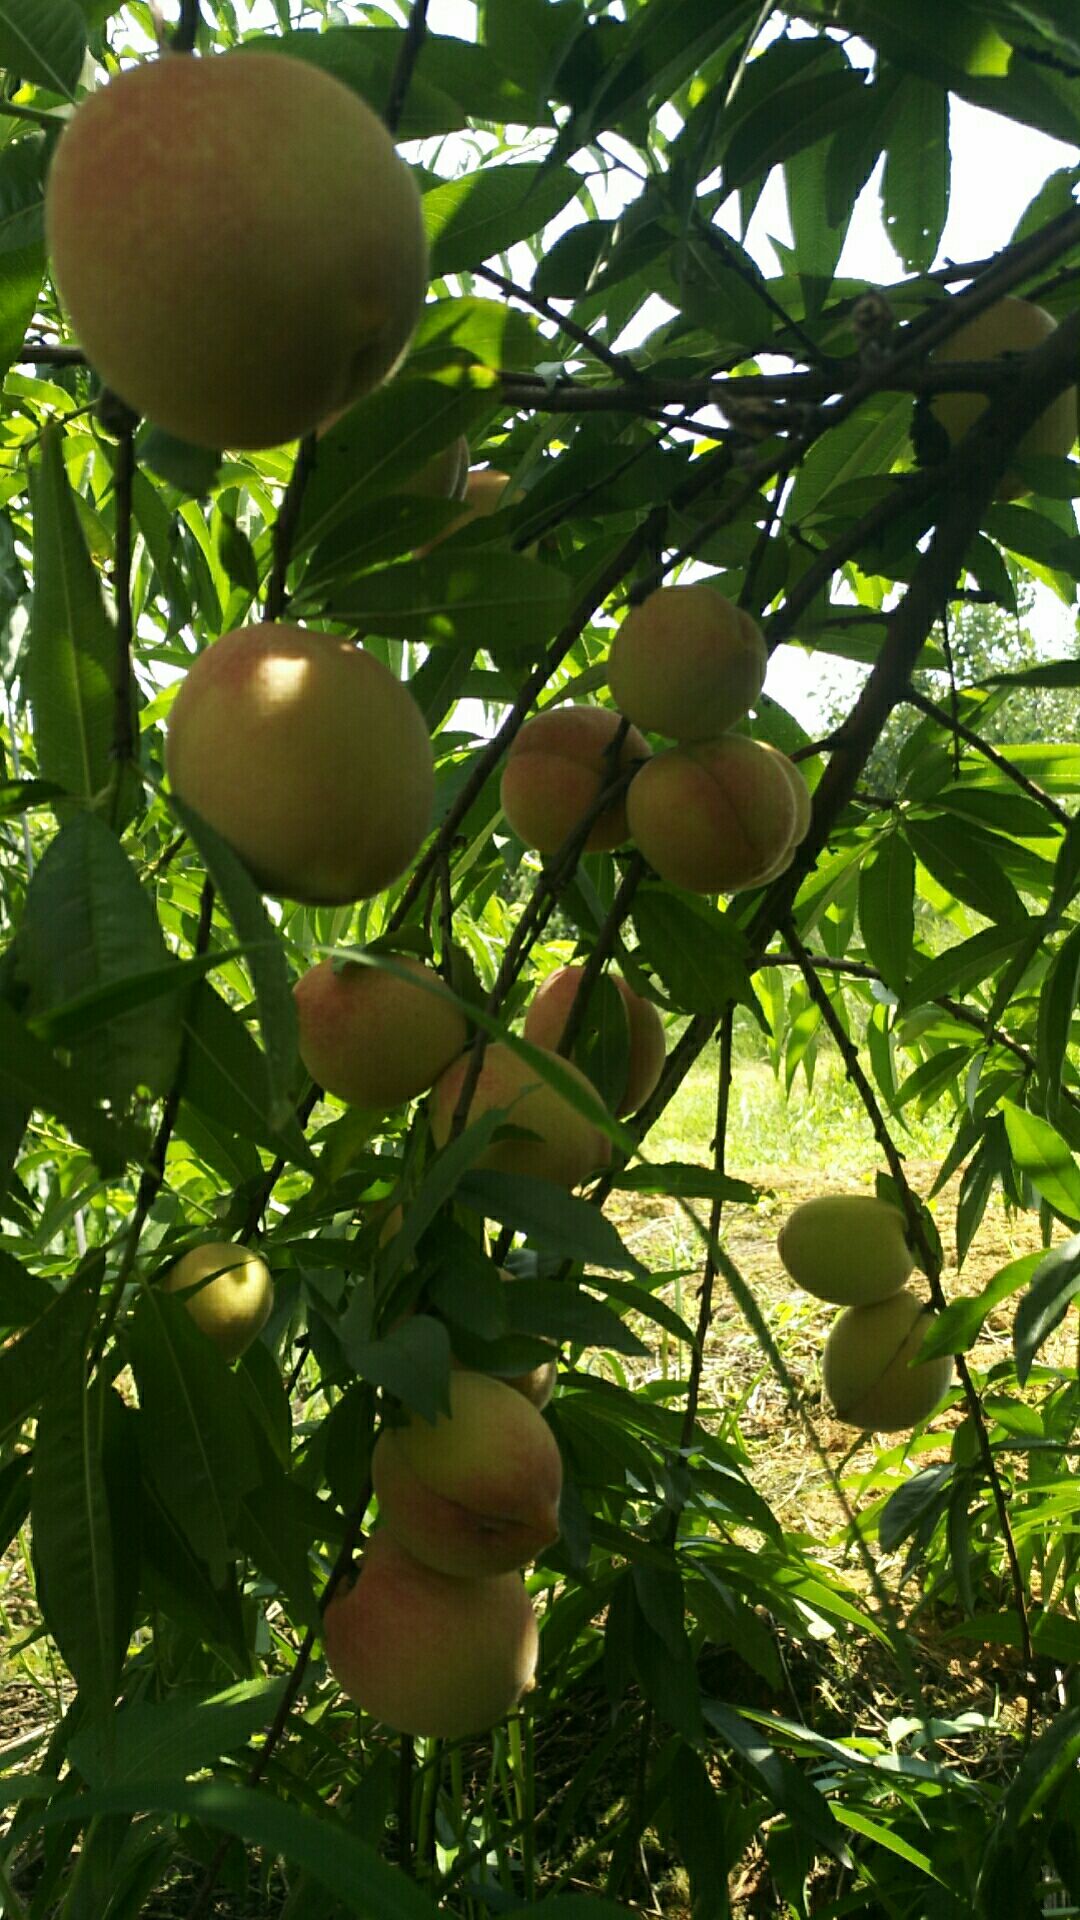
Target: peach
[[567, 1147], [308, 757], [687, 662], [477, 1491], [372, 1039], [867, 1366], [239, 247], [234, 1293], [714, 816], [1011, 325], [846, 1247], [427, 1654], [556, 770], [549, 1010]]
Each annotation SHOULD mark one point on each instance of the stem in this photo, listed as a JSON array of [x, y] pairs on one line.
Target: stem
[[187, 26], [601, 952], [288, 519], [415, 35], [406, 1755], [849, 1053], [123, 744]]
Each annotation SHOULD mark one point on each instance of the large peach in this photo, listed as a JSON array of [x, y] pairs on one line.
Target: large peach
[[309, 758], [231, 1293], [475, 1492], [715, 816], [567, 1147], [428, 1654], [846, 1247], [371, 1038], [556, 770], [1011, 325], [549, 1011], [239, 247], [687, 662], [867, 1365]]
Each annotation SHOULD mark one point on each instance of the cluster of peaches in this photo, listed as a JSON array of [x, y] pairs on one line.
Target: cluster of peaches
[[853, 1250]]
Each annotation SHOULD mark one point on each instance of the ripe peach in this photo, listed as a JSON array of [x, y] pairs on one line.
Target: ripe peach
[[372, 1039], [567, 1149], [715, 816], [239, 246], [232, 1307], [428, 1654], [474, 1493], [549, 1011], [846, 1247], [687, 662], [1011, 325], [866, 1367], [308, 756], [556, 770]]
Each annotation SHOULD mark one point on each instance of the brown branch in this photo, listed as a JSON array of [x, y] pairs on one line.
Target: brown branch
[[183, 39], [931, 1266], [615, 363]]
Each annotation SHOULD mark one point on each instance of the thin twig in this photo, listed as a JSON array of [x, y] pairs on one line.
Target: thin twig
[[415, 35], [953, 724], [123, 742], [616, 363], [602, 949]]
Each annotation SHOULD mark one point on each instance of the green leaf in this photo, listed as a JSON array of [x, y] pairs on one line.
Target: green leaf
[[559, 1223], [457, 597], [170, 1738], [915, 185], [967, 863], [29, 1073], [22, 245], [23, 1296], [964, 966], [887, 908], [455, 81], [412, 1362], [227, 1080], [866, 444], [88, 925], [699, 954], [265, 956], [197, 1444], [786, 1785], [378, 446], [558, 1310], [689, 1182], [1044, 1157], [350, 1869], [70, 664], [73, 1543], [42, 1353], [1054, 1285], [957, 1327], [44, 41], [191, 470], [490, 209], [1058, 1001]]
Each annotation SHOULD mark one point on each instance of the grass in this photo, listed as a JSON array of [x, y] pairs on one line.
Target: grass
[[823, 1126]]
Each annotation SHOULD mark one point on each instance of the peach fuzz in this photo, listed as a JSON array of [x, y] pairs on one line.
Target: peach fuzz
[[427, 1654], [371, 1038], [232, 1293], [239, 247], [477, 1492], [549, 1011], [555, 772], [567, 1147], [713, 817], [687, 662], [308, 757]]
